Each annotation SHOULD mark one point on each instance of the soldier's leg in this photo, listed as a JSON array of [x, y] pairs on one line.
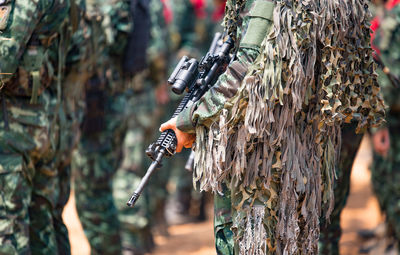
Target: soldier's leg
[[379, 177], [224, 244], [386, 179], [45, 192], [15, 197], [97, 160], [22, 142], [184, 182], [61, 230], [179, 201], [331, 231], [94, 201], [135, 222], [51, 188]]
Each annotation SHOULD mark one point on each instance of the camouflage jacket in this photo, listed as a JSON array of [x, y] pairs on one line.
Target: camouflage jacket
[[102, 35], [29, 32]]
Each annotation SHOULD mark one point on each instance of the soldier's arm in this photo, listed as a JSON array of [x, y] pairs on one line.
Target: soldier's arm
[[207, 109], [18, 21]]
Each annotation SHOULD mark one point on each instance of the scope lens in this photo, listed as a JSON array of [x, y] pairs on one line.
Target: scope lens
[[179, 86]]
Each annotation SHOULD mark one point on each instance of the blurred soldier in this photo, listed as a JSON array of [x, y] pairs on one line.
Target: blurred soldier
[[34, 153], [331, 230], [99, 45], [194, 25], [148, 92], [268, 132], [386, 140]]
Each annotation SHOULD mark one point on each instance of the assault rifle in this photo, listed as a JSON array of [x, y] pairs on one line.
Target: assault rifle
[[196, 78]]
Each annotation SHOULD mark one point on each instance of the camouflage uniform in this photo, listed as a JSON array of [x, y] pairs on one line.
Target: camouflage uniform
[[144, 117], [135, 222], [34, 155], [271, 136], [331, 230], [99, 42], [385, 171]]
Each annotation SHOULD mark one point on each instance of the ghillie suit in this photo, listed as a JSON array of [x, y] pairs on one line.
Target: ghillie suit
[[275, 143]]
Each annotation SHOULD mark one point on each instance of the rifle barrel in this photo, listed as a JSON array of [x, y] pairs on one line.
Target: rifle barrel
[[154, 165]]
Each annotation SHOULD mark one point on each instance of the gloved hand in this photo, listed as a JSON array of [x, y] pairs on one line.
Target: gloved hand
[[184, 139]]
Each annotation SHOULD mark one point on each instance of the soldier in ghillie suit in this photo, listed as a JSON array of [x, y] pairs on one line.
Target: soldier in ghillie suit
[[268, 133], [386, 140], [331, 232], [34, 175]]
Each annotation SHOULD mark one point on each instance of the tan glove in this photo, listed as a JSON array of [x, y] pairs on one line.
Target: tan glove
[[184, 139]]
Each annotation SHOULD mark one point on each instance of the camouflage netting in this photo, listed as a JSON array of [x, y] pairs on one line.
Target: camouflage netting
[[232, 19], [277, 141]]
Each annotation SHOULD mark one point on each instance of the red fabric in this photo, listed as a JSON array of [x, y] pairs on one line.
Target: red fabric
[[391, 4], [375, 23], [219, 11], [167, 12], [199, 8], [374, 26]]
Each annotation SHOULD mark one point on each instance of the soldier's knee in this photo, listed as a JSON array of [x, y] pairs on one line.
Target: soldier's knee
[[224, 240]]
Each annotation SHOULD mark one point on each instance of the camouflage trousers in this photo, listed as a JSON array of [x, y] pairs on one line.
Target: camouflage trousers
[[331, 231], [135, 222], [95, 164], [223, 234], [185, 194], [34, 176], [386, 179], [330, 234]]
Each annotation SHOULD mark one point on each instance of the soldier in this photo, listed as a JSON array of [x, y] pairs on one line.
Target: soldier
[[385, 140], [331, 233], [148, 93], [331, 230], [33, 153], [267, 134], [99, 46]]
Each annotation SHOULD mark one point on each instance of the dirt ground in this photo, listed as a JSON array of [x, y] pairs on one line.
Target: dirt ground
[[361, 212]]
